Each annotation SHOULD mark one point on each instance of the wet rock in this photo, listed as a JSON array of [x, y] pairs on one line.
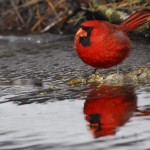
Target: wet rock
[[137, 76], [141, 75]]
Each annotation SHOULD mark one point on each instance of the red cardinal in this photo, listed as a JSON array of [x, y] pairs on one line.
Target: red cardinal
[[101, 44]]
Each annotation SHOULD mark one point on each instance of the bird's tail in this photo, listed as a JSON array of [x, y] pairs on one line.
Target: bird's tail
[[136, 20]]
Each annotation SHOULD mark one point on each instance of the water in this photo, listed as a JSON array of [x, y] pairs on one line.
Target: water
[[39, 110]]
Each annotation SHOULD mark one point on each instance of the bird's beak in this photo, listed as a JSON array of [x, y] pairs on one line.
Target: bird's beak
[[81, 33]]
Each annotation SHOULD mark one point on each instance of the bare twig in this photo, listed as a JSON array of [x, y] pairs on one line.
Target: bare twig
[[47, 14], [29, 3], [40, 20], [25, 5], [17, 12], [52, 7], [52, 24]]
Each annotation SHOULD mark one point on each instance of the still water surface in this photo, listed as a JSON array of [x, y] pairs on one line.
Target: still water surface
[[38, 110]]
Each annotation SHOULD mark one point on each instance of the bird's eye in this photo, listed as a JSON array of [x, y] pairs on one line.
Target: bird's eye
[[87, 29]]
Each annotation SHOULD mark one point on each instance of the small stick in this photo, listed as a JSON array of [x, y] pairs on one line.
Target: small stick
[[17, 12], [37, 23], [53, 8]]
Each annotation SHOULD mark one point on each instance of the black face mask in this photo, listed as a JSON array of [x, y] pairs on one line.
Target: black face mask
[[85, 41]]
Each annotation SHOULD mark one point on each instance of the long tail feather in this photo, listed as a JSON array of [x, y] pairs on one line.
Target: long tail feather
[[136, 20]]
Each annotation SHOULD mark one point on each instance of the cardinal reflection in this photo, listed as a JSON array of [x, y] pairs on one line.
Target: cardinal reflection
[[109, 107]]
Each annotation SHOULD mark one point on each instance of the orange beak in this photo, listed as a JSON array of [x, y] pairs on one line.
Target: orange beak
[[81, 33]]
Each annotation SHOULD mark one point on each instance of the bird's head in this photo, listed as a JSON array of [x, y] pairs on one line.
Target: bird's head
[[83, 34]]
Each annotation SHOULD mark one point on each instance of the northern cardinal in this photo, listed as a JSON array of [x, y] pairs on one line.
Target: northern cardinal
[[101, 44]]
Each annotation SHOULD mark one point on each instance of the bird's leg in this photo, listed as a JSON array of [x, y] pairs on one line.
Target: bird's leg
[[117, 70], [94, 72]]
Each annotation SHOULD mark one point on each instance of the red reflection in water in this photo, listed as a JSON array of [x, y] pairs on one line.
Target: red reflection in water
[[109, 107]]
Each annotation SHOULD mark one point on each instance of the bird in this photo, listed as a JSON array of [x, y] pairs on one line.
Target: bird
[[102, 44]]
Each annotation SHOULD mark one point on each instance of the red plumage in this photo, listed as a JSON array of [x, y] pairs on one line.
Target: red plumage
[[102, 45]]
